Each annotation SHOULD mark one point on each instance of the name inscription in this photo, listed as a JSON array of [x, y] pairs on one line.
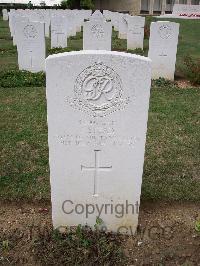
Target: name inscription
[[97, 133]]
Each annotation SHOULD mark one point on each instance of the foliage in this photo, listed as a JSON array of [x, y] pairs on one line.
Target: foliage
[[146, 32], [138, 51], [17, 78], [5, 245], [163, 83], [191, 69], [64, 4], [29, 5], [60, 50], [42, 3], [87, 4], [197, 226], [77, 246]]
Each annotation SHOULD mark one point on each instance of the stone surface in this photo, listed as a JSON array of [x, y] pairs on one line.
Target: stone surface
[[184, 11], [5, 14], [115, 20], [16, 26], [97, 15], [135, 33], [163, 48], [31, 46], [123, 26], [188, 9], [97, 35], [97, 107], [58, 32]]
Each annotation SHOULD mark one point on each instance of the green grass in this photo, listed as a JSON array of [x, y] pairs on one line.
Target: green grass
[[172, 160], [172, 163], [24, 157]]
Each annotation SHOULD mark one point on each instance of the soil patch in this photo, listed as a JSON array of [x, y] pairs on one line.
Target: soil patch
[[166, 236]]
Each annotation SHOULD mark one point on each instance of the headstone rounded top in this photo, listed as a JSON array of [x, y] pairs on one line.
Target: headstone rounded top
[[97, 15]]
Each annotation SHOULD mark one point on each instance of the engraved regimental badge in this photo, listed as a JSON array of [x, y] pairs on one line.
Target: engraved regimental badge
[[98, 91], [97, 31], [165, 31], [30, 31]]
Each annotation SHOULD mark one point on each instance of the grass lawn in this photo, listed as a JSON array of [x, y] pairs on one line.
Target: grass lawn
[[172, 160]]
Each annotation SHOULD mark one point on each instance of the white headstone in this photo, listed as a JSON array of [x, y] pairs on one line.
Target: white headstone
[[58, 32], [187, 9], [123, 26], [115, 20], [135, 34], [97, 35], [5, 14], [97, 15], [163, 48], [31, 46], [47, 21], [97, 106], [16, 23], [107, 14], [11, 15], [71, 24]]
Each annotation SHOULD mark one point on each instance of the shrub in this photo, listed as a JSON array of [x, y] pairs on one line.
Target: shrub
[[138, 51], [146, 32], [64, 4], [60, 50], [163, 83], [17, 78], [78, 246], [191, 69], [87, 4]]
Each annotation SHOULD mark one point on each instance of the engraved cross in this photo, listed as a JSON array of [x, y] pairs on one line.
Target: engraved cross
[[31, 59], [96, 168]]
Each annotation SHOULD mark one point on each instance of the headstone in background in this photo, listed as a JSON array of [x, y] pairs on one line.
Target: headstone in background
[[97, 34], [15, 20], [107, 14], [184, 8], [123, 26], [163, 48], [71, 24], [115, 20], [58, 32], [135, 33], [97, 15], [5, 14], [31, 46], [47, 22], [97, 107], [11, 14]]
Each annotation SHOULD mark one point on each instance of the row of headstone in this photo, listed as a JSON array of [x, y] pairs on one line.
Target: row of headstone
[[188, 9], [97, 109], [184, 11], [30, 27], [97, 35], [73, 18]]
